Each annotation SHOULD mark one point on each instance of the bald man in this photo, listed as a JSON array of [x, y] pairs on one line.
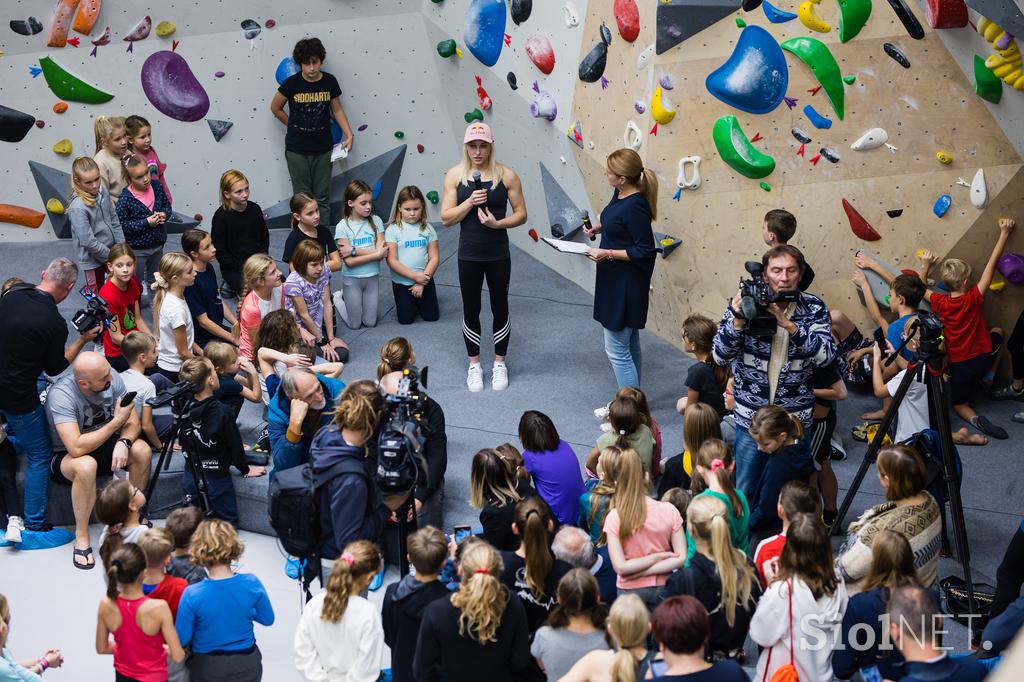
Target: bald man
[[93, 435]]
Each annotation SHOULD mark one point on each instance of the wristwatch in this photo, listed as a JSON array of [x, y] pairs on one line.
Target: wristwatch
[[127, 442], [322, 341]]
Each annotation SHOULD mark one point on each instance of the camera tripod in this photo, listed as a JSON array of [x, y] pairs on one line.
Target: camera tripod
[[179, 397], [930, 363]]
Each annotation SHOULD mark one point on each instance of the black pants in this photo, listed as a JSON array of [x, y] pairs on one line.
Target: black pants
[[1009, 575], [233, 278], [407, 306], [1016, 347], [472, 274]]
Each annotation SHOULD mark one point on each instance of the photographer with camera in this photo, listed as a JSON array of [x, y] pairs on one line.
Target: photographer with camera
[[304, 403], [770, 325], [32, 339]]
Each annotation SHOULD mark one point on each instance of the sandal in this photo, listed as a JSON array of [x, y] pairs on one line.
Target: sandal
[[87, 555]]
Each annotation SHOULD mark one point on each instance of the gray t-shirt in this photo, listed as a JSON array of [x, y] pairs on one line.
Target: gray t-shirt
[[66, 403], [142, 385], [559, 649]]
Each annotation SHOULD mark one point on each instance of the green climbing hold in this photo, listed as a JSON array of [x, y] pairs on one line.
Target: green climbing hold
[[399, 134], [736, 150], [765, 186], [850, 80], [853, 14], [70, 87], [475, 115], [816, 55], [740, 23], [986, 84], [446, 48], [433, 197]]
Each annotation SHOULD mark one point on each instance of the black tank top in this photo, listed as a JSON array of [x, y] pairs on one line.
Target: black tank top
[[476, 242]]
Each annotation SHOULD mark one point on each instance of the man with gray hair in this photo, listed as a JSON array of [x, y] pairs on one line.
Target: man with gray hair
[[304, 402], [32, 338], [574, 546]]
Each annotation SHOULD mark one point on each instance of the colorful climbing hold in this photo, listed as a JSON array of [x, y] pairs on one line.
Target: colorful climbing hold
[[482, 96], [166, 28], [26, 27], [218, 74], [895, 53], [219, 128], [765, 186], [986, 84], [103, 39], [871, 139], [850, 80], [627, 18], [997, 285], [593, 64], [60, 107], [666, 243], [544, 105], [1011, 266], [817, 120], [88, 13], [446, 48], [533, 234], [63, 147], [70, 87], [539, 50], [907, 18], [60, 22], [861, 227], [475, 115], [251, 29], [737, 151], [816, 55], [944, 157], [420, 148], [399, 134], [140, 31], [269, 23], [754, 77], [945, 13], [576, 134], [19, 215], [740, 23], [172, 88], [942, 205], [198, 217], [14, 124], [665, 81], [54, 205], [853, 14], [363, 127], [810, 19], [433, 197], [40, 123], [979, 190], [662, 110], [484, 32], [776, 15], [521, 10]]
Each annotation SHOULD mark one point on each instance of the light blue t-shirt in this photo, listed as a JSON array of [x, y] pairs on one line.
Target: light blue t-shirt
[[361, 234], [413, 243]]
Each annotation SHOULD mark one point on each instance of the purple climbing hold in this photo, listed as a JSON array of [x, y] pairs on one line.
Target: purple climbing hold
[[172, 88], [1011, 266], [219, 74], [362, 127]]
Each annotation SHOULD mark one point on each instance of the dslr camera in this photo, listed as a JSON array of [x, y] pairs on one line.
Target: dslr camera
[[400, 460], [95, 314], [929, 325], [756, 295]]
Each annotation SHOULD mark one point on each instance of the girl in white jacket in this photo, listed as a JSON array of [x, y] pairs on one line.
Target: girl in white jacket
[[340, 637], [805, 582]]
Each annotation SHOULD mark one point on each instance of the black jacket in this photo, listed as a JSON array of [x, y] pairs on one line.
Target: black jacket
[[239, 235], [435, 450], [218, 443], [402, 613], [497, 521]]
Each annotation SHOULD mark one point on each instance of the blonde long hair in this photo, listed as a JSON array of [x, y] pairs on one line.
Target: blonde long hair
[[493, 169], [172, 264], [626, 163], [227, 181], [609, 463], [708, 518], [83, 164], [630, 497], [629, 623], [358, 560], [255, 269], [104, 127], [481, 599]]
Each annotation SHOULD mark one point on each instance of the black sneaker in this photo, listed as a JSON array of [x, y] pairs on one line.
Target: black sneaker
[[988, 428], [263, 442]]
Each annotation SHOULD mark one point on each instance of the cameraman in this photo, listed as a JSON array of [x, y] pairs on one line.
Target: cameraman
[[301, 406], [351, 506], [802, 341], [429, 496], [32, 339]]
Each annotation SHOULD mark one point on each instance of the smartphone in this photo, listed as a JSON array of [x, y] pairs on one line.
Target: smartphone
[[128, 398], [659, 667], [462, 532], [880, 340]]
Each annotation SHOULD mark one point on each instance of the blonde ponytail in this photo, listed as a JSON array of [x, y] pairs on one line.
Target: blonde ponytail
[[255, 269], [630, 497], [628, 622], [172, 264], [626, 163], [358, 560], [709, 522], [481, 598]]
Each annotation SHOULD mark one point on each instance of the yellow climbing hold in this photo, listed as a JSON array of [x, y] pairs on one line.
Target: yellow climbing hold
[[63, 147], [989, 30], [945, 158], [998, 284], [55, 206], [1007, 65], [811, 20], [661, 107], [165, 28]]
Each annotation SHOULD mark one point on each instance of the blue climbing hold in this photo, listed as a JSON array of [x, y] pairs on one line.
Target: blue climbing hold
[[376, 188], [776, 15], [484, 33], [755, 76], [286, 68], [819, 121], [942, 205]]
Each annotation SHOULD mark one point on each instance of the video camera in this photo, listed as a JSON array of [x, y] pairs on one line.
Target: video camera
[[929, 326], [756, 295], [400, 460], [179, 392], [95, 314]]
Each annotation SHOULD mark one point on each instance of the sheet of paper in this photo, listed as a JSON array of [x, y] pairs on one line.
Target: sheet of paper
[[567, 246]]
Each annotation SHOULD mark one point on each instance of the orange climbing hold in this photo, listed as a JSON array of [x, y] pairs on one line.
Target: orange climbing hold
[[88, 13], [19, 215], [60, 24], [60, 107], [859, 225]]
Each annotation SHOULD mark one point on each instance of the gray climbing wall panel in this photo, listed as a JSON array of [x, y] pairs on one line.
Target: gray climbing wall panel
[[681, 19], [562, 210]]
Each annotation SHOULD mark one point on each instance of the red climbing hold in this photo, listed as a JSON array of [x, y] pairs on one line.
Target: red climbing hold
[[174, 46], [420, 148], [860, 227], [627, 16], [654, 130], [198, 217], [533, 235], [912, 273], [270, 23], [481, 95], [756, 137], [508, 40], [814, 160], [814, 90], [538, 49], [800, 152], [943, 13], [74, 41]]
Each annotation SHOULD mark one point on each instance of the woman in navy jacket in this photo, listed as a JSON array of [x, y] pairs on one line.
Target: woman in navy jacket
[[625, 261]]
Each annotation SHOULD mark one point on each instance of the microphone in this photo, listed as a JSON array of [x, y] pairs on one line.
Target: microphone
[[587, 225], [476, 180]]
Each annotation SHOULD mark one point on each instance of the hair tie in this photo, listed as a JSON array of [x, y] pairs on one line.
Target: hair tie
[[114, 529], [622, 432], [717, 464], [158, 281], [484, 571], [348, 558], [532, 512], [116, 563]]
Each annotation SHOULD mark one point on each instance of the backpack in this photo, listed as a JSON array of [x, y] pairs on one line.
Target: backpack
[[927, 444]]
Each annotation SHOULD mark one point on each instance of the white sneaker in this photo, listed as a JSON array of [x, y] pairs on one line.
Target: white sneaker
[[601, 412], [499, 377], [339, 305], [475, 378], [14, 527]]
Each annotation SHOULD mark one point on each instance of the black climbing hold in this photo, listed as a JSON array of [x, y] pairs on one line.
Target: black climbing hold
[[801, 136], [678, 20], [521, 10], [512, 82], [592, 66], [894, 213], [28, 27], [895, 53], [750, 5], [907, 18], [830, 154], [14, 124], [251, 28], [219, 128], [606, 35], [557, 231]]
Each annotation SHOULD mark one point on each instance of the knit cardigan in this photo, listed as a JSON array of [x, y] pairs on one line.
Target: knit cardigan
[[811, 346], [920, 524], [134, 217]]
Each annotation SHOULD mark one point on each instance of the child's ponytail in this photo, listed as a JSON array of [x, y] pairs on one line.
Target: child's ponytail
[[81, 165], [481, 598], [255, 268], [394, 356], [124, 567], [534, 520], [708, 520], [771, 421], [358, 560], [629, 624], [625, 417], [112, 509], [716, 460]]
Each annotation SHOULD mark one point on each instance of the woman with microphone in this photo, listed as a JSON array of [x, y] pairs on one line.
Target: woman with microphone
[[625, 261], [477, 193]]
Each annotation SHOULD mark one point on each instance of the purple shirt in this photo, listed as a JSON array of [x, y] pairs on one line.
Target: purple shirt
[[312, 294], [557, 478]]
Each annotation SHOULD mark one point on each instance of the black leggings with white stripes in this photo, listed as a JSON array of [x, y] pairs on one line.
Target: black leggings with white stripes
[[472, 274]]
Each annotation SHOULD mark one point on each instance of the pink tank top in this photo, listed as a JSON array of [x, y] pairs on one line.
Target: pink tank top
[[138, 655]]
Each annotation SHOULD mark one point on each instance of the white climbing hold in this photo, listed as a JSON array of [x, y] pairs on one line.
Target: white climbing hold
[[891, 148], [590, 144], [962, 182], [645, 57], [979, 191], [632, 138], [694, 180], [572, 15], [872, 139], [562, 159]]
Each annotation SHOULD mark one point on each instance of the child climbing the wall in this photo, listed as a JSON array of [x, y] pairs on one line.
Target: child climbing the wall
[[238, 230], [363, 233], [143, 210], [140, 141], [122, 293], [778, 228], [971, 345], [305, 291], [313, 98], [94, 224], [306, 225], [111, 148], [212, 317], [413, 258]]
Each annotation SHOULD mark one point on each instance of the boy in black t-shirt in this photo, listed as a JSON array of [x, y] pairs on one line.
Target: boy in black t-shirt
[[779, 227], [313, 100]]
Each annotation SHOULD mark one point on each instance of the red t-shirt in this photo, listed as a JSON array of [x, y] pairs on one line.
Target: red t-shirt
[[767, 549], [963, 318], [169, 589], [122, 306]]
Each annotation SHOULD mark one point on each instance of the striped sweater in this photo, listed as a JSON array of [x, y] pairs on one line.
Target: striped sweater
[[811, 346]]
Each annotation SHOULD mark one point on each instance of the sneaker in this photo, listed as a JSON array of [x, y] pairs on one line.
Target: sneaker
[[1008, 393], [601, 412], [14, 527], [605, 427], [838, 452], [989, 429], [340, 307], [499, 377], [1019, 418], [263, 442], [475, 378]]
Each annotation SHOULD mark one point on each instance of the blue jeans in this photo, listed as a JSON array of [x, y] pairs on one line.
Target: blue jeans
[[623, 350], [750, 464], [33, 433]]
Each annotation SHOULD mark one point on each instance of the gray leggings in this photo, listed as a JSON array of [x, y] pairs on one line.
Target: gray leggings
[[360, 295], [241, 667], [147, 261]]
